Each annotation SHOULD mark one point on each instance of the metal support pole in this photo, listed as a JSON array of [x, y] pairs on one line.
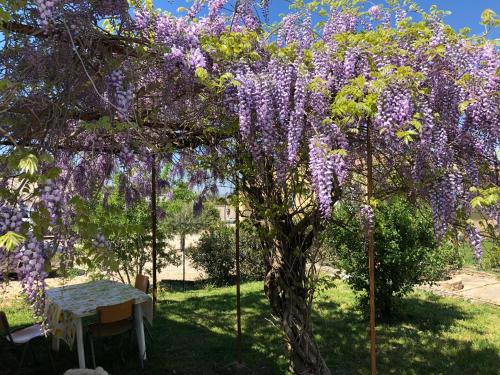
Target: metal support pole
[[153, 224], [183, 250], [238, 276], [371, 255]]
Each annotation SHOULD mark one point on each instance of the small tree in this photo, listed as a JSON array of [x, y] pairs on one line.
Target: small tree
[[406, 253], [182, 220], [119, 237], [215, 253]]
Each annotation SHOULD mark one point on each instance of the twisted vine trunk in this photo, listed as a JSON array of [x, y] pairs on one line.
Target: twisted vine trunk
[[285, 285]]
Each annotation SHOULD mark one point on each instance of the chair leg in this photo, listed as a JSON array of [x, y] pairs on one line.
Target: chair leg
[[148, 332], [51, 359], [23, 355], [92, 353], [32, 352], [141, 360], [122, 337]]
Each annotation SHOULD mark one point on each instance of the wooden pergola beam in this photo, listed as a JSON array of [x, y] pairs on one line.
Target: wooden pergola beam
[[112, 43]]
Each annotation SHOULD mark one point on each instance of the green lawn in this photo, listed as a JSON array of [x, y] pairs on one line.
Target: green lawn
[[194, 334]]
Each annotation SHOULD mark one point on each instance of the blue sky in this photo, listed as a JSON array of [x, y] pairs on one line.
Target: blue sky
[[464, 12]]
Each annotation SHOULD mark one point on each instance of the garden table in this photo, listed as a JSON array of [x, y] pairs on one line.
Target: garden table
[[66, 306]]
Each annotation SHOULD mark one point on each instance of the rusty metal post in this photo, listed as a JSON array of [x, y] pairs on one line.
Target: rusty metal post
[[238, 276], [371, 254], [153, 224]]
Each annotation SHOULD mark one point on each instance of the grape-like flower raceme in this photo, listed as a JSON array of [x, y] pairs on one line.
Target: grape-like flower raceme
[[46, 9], [475, 240], [32, 274], [101, 241], [374, 12], [11, 219], [322, 167], [367, 215], [122, 96]]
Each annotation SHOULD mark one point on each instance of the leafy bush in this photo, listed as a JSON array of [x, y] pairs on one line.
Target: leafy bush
[[116, 238], [215, 254], [490, 260], [406, 253]]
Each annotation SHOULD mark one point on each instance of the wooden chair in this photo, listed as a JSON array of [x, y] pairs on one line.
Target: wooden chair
[[112, 321], [22, 337], [142, 283]]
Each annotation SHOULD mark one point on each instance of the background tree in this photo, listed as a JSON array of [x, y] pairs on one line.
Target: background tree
[[406, 252], [214, 253], [310, 106], [184, 216], [119, 236]]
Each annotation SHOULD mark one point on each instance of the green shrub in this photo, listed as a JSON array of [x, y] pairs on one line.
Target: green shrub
[[406, 253], [215, 254], [490, 260]]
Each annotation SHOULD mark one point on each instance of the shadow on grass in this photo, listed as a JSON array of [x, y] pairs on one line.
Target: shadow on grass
[[416, 342], [179, 285], [195, 334]]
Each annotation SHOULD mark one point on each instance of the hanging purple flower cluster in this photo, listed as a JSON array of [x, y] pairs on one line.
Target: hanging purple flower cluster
[[126, 156], [181, 38], [102, 242], [367, 215], [46, 9], [475, 240], [51, 197], [395, 110], [142, 18], [321, 166], [11, 219], [295, 125], [26, 260], [31, 272], [121, 95]]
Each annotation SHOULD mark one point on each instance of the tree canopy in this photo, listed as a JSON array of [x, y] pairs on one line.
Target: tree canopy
[[285, 110]]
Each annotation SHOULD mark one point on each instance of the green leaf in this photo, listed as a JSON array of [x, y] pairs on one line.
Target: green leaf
[[4, 83], [488, 17], [11, 240], [406, 135], [202, 74], [416, 124], [463, 106], [29, 164], [339, 151]]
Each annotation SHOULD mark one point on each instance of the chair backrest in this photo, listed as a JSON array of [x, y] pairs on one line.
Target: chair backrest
[[142, 283], [115, 313], [4, 326]]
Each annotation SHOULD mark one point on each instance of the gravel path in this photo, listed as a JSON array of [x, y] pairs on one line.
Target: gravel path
[[470, 284]]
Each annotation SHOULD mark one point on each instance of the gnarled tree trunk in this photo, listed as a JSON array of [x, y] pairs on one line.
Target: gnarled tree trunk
[[286, 287]]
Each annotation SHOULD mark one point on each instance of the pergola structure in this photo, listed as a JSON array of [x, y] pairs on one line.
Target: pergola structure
[[150, 124]]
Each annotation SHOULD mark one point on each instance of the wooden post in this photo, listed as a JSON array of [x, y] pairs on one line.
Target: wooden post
[[183, 250], [238, 276], [371, 255], [153, 224]]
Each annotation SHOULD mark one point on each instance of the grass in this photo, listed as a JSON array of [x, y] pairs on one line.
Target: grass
[[194, 333]]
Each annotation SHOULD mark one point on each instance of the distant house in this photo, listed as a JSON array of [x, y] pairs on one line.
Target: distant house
[[227, 213]]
